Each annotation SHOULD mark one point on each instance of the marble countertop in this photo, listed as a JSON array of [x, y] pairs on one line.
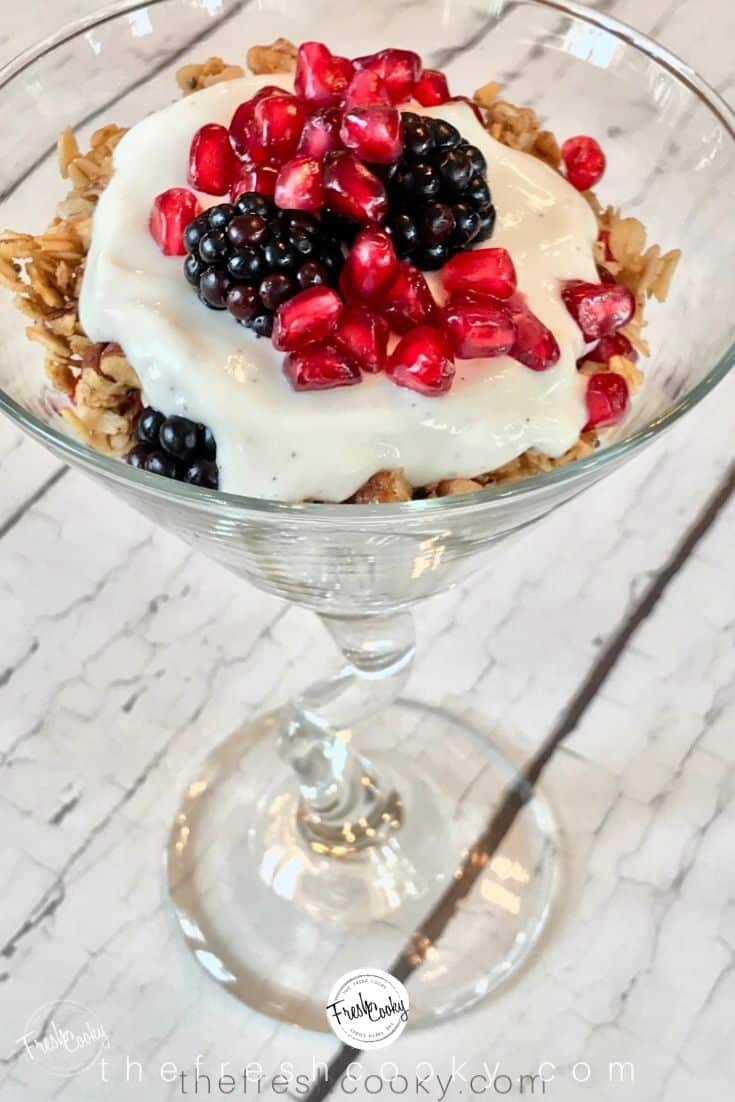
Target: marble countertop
[[122, 653]]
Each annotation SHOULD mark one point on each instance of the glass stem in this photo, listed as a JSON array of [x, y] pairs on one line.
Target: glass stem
[[344, 807]]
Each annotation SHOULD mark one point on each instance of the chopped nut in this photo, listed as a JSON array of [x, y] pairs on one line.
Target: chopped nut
[[450, 486], [192, 78], [487, 95], [384, 486], [279, 57]]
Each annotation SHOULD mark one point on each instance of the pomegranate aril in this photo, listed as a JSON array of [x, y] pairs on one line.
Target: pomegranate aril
[[320, 135], [422, 361], [584, 161], [407, 301], [241, 124], [363, 337], [171, 213], [260, 178], [212, 163], [321, 77], [373, 133], [480, 273], [307, 318], [275, 129], [606, 399], [616, 344], [320, 368], [351, 189], [366, 89], [431, 88], [399, 69], [300, 184], [598, 308], [370, 266], [478, 329], [535, 346]]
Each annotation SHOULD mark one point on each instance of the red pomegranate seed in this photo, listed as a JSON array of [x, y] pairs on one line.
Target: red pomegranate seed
[[606, 398], [535, 346], [366, 89], [478, 329], [422, 361], [171, 213], [399, 69], [321, 77], [373, 133], [251, 177], [480, 273], [370, 266], [212, 164], [407, 301], [363, 337], [320, 135], [598, 308], [470, 103], [616, 344], [242, 121], [307, 318], [584, 161], [350, 188], [431, 88], [320, 368], [300, 184], [275, 129]]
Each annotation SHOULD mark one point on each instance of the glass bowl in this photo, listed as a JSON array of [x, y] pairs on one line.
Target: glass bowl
[[350, 829]]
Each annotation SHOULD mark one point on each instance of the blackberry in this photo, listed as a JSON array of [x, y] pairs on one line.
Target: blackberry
[[440, 202], [249, 257], [175, 447]]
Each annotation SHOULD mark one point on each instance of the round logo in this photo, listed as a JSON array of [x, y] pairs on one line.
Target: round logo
[[368, 1008], [63, 1038]]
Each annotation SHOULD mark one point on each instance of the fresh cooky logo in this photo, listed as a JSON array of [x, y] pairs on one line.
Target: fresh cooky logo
[[368, 1008], [63, 1039]]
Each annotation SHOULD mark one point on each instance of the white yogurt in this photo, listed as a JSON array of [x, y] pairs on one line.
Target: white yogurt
[[276, 443]]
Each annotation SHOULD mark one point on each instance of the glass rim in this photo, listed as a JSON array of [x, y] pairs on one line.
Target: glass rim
[[220, 501]]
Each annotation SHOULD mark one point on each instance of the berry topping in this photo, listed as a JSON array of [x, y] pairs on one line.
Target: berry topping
[[399, 69], [431, 88], [535, 346], [212, 164], [351, 189], [438, 193], [321, 77], [363, 337], [408, 300], [370, 266], [366, 89], [275, 129], [617, 344], [584, 161], [373, 133], [598, 308], [320, 368], [172, 211], [482, 273], [175, 447], [308, 318], [260, 178], [606, 398], [422, 361], [300, 185], [478, 329], [242, 123], [320, 135]]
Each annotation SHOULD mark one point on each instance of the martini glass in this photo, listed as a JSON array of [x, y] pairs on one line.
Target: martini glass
[[353, 828]]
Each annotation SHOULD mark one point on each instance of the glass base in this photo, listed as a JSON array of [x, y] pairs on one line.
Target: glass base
[[278, 922]]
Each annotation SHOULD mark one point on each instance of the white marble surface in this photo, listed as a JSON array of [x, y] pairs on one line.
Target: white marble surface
[[123, 654]]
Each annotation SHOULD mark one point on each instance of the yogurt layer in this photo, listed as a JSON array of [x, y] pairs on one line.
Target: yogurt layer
[[276, 443]]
